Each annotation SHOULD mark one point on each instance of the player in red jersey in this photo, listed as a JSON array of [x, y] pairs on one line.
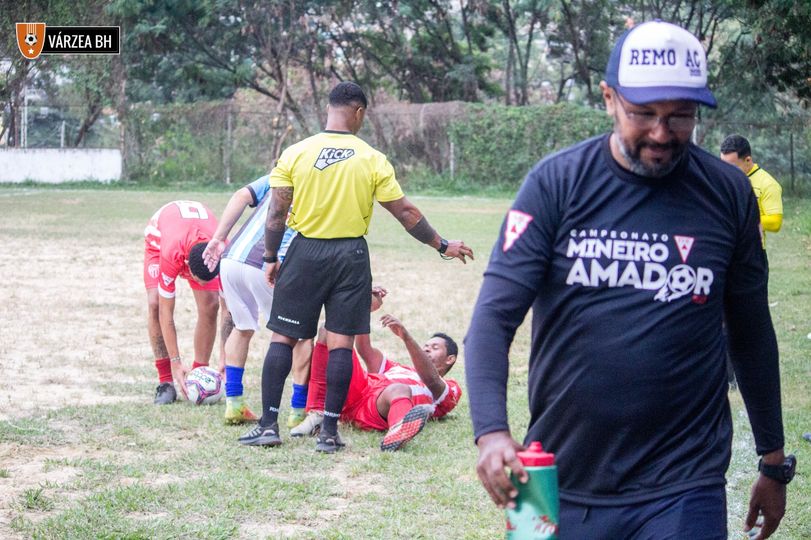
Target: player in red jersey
[[175, 238], [390, 396]]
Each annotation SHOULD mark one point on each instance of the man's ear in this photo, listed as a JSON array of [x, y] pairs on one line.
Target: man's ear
[[608, 98]]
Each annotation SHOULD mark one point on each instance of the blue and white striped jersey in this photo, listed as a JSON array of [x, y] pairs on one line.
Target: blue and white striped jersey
[[248, 245]]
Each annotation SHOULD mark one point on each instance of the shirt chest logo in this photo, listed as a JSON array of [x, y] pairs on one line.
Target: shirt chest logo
[[620, 259], [330, 156]]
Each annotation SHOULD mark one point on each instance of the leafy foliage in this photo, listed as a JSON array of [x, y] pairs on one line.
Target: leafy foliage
[[496, 145]]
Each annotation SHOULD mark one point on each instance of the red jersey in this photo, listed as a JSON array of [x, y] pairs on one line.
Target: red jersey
[[173, 230], [392, 372]]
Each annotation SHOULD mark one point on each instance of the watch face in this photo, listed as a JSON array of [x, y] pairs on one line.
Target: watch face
[[789, 467]]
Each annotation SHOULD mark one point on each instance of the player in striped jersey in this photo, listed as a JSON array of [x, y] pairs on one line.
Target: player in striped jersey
[[389, 397], [247, 293]]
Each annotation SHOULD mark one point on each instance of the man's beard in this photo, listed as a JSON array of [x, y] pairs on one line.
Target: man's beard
[[652, 170]]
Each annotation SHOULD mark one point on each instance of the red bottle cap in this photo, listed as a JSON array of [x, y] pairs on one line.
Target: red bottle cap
[[534, 456]]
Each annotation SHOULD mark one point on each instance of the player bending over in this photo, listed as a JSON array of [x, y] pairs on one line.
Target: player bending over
[[175, 238]]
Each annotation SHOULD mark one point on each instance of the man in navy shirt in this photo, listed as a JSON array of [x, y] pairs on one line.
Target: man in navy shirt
[[630, 247]]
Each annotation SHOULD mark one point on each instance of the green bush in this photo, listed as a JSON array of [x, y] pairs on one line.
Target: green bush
[[496, 145]]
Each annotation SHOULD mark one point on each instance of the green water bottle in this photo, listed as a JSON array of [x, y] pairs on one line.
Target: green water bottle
[[535, 516]]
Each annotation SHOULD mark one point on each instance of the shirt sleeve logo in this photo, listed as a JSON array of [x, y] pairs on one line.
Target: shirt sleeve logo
[[167, 280], [517, 223], [329, 156]]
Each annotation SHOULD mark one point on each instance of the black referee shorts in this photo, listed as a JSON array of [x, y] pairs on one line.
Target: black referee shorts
[[332, 273]]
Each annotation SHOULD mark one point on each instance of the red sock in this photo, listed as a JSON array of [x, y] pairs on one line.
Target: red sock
[[317, 393], [164, 367], [196, 365], [398, 409]]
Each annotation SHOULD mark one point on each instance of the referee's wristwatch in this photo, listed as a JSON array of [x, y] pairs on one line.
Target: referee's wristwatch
[[270, 259], [443, 246], [782, 473]]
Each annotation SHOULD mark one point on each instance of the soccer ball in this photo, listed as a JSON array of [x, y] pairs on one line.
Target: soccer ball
[[204, 386], [30, 39], [681, 279]]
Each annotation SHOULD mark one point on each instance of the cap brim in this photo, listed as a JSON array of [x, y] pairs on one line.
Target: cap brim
[[651, 94]]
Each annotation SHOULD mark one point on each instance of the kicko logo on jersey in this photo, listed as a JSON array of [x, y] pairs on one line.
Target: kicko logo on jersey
[[35, 38], [330, 156], [636, 260]]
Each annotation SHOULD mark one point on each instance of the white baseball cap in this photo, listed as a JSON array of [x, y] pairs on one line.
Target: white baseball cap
[[659, 61]]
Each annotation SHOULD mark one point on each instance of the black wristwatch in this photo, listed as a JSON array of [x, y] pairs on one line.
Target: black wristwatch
[[270, 260], [779, 473], [443, 246]]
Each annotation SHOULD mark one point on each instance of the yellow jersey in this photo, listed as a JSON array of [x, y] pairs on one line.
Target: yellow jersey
[[336, 178], [768, 192]]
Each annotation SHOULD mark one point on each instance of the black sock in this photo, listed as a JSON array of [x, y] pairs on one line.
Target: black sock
[[278, 362], [339, 375]]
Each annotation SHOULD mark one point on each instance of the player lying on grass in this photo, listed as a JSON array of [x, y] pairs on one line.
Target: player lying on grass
[[389, 397], [247, 293], [174, 240]]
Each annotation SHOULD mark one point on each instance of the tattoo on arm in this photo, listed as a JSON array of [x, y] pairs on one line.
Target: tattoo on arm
[[423, 231], [280, 200]]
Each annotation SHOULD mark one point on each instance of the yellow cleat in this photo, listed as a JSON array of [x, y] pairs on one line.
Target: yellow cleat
[[296, 417], [238, 414]]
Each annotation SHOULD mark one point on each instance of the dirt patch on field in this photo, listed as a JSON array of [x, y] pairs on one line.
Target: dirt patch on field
[[29, 469], [67, 324]]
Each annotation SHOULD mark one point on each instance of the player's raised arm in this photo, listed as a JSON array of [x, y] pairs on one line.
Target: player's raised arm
[[425, 368], [417, 226]]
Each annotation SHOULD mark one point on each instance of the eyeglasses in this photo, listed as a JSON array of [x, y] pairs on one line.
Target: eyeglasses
[[649, 120]]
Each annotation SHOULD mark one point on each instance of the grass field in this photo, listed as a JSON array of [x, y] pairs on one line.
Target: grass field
[[85, 454]]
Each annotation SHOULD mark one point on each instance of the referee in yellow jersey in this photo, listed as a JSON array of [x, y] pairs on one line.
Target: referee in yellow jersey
[[332, 180], [736, 150]]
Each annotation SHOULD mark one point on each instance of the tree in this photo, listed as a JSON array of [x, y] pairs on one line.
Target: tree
[[421, 49], [520, 22]]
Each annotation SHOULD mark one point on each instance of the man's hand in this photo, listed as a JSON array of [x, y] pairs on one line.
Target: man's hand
[[213, 253], [458, 250], [379, 292], [393, 324], [498, 451], [768, 501], [271, 271], [179, 372]]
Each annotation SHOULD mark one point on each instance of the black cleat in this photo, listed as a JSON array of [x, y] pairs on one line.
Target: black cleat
[[328, 443], [165, 394], [262, 436]]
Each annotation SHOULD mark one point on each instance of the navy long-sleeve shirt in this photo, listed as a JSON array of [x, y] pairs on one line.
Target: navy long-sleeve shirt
[[629, 279]]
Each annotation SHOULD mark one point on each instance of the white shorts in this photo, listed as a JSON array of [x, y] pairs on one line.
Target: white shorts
[[247, 293]]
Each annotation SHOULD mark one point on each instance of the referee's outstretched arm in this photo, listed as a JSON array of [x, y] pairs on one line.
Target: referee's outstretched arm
[[417, 226]]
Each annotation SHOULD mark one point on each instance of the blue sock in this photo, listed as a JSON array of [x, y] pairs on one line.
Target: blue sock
[[299, 398], [233, 381]]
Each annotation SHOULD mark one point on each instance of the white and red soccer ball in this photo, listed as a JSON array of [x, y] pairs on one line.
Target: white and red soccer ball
[[205, 386]]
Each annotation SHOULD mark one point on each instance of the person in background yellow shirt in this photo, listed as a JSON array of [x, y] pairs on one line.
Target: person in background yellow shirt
[[735, 150]]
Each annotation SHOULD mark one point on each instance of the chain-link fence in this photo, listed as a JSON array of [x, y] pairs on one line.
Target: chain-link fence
[[441, 144]]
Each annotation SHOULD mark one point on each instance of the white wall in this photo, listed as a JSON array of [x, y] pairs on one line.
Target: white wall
[[57, 165]]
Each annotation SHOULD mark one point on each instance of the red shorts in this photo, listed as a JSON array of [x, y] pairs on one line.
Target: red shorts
[[152, 257], [363, 413]]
